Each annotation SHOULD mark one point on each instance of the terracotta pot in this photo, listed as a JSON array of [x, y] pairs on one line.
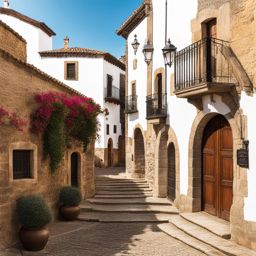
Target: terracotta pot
[[34, 239], [70, 212]]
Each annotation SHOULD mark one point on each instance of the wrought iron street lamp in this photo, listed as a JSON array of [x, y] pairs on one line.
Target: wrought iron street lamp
[[169, 53], [135, 44], [148, 52]]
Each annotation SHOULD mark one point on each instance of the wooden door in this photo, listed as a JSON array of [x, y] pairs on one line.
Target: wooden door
[[74, 169], [171, 173], [109, 153], [217, 164], [159, 92]]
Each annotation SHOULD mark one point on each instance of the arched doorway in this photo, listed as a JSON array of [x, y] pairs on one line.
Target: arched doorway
[[217, 167], [74, 169], [139, 153], [110, 149], [171, 185]]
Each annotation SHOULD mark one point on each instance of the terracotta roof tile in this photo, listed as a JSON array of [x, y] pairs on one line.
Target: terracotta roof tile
[[83, 52], [28, 20]]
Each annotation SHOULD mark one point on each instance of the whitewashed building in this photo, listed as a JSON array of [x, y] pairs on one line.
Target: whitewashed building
[[188, 126], [94, 73]]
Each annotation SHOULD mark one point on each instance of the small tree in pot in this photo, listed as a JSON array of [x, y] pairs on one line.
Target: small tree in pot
[[34, 214], [69, 200]]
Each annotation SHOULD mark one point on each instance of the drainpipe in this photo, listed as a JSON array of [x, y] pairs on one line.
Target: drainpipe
[[165, 38]]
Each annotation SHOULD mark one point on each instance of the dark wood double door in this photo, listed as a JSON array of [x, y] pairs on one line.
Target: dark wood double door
[[217, 165]]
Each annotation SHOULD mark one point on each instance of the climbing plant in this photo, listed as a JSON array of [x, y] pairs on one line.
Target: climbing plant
[[60, 117]]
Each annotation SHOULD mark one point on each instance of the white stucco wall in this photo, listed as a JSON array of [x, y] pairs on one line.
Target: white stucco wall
[[114, 110], [139, 75], [36, 39], [92, 81], [248, 105]]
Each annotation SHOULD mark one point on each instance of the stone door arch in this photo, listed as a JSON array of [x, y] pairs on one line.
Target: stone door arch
[[139, 154]]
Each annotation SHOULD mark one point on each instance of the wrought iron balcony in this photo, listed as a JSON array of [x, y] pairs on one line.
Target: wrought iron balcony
[[131, 104], [156, 106], [203, 68], [112, 94]]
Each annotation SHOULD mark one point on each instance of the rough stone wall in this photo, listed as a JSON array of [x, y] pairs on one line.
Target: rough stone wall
[[18, 85], [243, 34], [204, 4], [16, 44]]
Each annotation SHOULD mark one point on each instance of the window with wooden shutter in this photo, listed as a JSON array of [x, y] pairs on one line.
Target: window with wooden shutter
[[109, 85], [71, 70], [115, 128], [107, 129], [22, 164]]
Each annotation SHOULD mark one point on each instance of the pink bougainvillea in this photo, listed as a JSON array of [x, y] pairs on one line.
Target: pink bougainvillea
[[74, 105], [12, 119]]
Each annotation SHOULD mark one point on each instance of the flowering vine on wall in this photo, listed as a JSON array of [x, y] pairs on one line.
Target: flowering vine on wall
[[60, 117], [12, 119]]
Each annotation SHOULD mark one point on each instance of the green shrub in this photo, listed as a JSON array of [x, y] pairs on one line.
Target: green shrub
[[55, 138], [33, 212], [70, 196]]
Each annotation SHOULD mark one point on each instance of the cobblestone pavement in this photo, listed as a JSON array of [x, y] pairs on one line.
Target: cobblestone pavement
[[102, 239]]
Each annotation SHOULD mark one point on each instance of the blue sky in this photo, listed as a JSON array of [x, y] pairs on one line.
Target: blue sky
[[88, 23]]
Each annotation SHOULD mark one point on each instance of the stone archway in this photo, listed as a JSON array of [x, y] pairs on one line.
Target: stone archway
[[110, 152], [139, 154]]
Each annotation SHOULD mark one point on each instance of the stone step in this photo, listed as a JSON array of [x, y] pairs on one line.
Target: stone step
[[120, 180], [146, 193], [226, 246], [122, 185], [148, 200], [213, 224], [124, 217], [85, 207], [176, 233], [120, 196], [121, 189]]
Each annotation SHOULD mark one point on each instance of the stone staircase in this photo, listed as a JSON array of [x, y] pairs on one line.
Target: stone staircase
[[205, 233], [119, 199], [122, 200]]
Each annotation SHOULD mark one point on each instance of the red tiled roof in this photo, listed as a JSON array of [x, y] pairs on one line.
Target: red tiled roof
[[83, 52], [28, 20]]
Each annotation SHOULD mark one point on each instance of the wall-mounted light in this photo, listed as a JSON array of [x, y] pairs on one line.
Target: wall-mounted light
[[169, 53], [148, 52], [135, 44]]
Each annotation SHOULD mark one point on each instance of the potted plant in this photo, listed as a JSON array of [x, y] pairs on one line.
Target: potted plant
[[34, 214], [69, 200]]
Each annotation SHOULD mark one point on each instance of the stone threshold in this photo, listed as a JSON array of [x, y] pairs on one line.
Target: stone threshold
[[213, 224]]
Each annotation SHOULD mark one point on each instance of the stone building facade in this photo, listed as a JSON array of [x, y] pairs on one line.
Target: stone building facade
[[19, 82], [188, 134], [95, 73]]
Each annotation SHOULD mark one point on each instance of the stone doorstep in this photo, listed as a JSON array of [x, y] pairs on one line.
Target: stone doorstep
[[176, 233], [122, 185], [226, 246], [124, 217], [213, 224], [149, 200], [124, 181]]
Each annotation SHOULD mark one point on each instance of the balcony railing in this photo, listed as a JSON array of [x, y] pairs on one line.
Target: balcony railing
[[202, 62], [156, 106], [112, 94], [131, 104]]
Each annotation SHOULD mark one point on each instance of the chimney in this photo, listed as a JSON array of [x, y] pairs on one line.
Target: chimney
[[66, 41], [6, 3]]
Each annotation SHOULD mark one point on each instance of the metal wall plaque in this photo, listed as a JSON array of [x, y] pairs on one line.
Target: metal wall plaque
[[243, 156]]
